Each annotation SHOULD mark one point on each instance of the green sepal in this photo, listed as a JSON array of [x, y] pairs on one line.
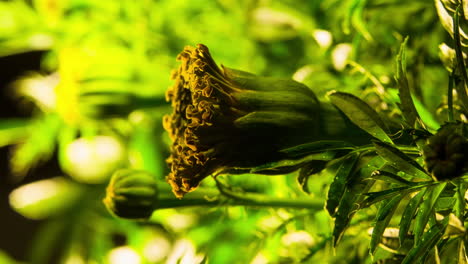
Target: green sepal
[[132, 194]]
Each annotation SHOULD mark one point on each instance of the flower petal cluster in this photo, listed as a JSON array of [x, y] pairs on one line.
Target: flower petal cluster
[[224, 118]]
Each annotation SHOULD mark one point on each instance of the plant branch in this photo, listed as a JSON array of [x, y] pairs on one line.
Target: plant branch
[[224, 197]]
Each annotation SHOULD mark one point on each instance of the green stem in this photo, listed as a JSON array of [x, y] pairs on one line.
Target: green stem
[[221, 201], [450, 97], [213, 197], [461, 88]]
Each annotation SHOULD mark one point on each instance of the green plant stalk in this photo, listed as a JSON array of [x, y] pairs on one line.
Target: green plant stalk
[[450, 97], [262, 202], [212, 197], [460, 61]]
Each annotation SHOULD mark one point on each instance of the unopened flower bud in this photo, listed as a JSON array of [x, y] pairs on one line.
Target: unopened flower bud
[[132, 194], [446, 153]]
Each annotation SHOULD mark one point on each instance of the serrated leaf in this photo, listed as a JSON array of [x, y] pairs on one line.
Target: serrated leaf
[[426, 209], [384, 214], [427, 242], [407, 106], [290, 165], [390, 178], [349, 205], [400, 160], [307, 171], [361, 114], [353, 197], [408, 214], [316, 147], [338, 186], [461, 89], [375, 197], [343, 215]]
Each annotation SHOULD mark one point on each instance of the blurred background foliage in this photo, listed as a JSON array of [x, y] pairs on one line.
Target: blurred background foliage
[[97, 101]]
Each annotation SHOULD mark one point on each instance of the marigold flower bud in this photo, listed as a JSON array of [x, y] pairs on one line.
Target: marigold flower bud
[[132, 194], [224, 118], [446, 153]]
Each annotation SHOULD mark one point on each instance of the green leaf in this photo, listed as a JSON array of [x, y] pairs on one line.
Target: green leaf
[[316, 249], [358, 22], [146, 148], [453, 252], [338, 186], [461, 89], [459, 208], [390, 178], [407, 106], [38, 146], [66, 135], [45, 198], [375, 197], [353, 196], [6, 259], [427, 242], [445, 203], [316, 147], [46, 242], [308, 170], [354, 17], [408, 214], [55, 239], [426, 209], [361, 114], [108, 104], [347, 208], [399, 160], [384, 214], [349, 205], [425, 115], [13, 131], [343, 215], [288, 165]]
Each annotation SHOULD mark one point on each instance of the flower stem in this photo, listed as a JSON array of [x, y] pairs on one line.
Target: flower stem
[[263, 202], [213, 197]]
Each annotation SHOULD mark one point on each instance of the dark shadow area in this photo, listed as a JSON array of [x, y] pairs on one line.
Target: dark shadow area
[[16, 231]]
